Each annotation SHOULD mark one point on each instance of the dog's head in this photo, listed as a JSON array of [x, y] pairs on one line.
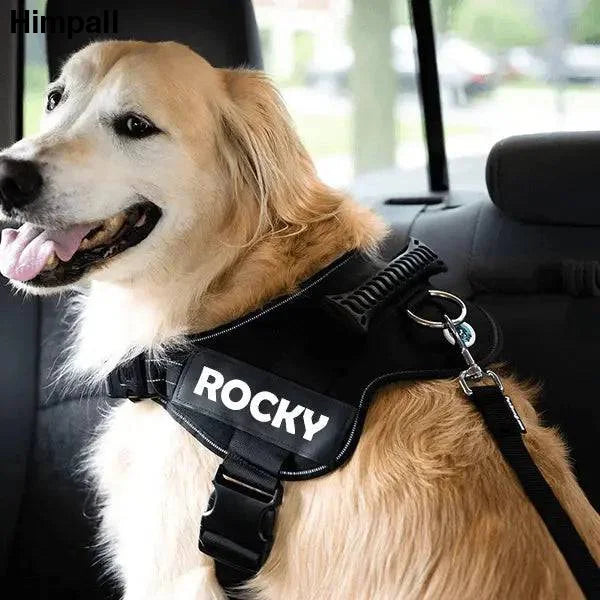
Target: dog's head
[[146, 153]]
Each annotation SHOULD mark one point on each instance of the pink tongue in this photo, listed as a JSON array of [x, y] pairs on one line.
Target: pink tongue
[[25, 251]]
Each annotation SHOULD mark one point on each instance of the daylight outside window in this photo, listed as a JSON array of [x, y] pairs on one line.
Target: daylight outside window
[[347, 72], [196, 332], [514, 67]]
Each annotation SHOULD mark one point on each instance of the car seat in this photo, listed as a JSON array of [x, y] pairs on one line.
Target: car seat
[[47, 520]]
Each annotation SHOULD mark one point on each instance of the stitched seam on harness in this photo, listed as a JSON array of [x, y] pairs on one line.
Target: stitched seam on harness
[[352, 431], [232, 328], [248, 465], [271, 308], [161, 360], [355, 422], [354, 425], [160, 381], [194, 428]]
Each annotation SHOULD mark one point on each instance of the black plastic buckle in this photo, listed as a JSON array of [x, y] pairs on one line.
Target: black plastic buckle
[[237, 527], [129, 380]]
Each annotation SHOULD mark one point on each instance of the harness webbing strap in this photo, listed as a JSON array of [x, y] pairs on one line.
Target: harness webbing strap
[[229, 578], [503, 427], [237, 530]]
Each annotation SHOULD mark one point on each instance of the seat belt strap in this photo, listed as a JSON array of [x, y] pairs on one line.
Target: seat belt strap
[[499, 417]]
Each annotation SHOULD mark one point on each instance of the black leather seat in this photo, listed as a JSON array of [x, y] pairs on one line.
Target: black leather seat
[[225, 33], [51, 554], [532, 258]]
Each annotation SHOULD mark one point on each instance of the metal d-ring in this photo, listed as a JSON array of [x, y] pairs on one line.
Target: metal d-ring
[[441, 324]]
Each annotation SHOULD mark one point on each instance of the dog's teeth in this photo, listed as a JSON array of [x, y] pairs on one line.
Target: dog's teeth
[[51, 263], [92, 241], [112, 225], [107, 231]]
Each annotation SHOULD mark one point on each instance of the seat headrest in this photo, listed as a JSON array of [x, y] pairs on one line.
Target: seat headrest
[[224, 33], [549, 178]]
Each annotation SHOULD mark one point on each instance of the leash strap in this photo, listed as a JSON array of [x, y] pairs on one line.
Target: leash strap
[[499, 417], [506, 427]]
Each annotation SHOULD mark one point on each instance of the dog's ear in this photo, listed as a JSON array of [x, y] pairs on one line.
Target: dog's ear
[[265, 158]]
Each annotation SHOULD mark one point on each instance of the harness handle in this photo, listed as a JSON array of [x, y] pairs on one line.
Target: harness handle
[[357, 307]]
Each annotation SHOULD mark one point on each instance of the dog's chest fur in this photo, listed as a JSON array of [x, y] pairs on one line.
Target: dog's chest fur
[[154, 481]]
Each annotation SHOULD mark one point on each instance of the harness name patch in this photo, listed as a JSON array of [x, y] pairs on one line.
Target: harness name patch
[[211, 381], [263, 404]]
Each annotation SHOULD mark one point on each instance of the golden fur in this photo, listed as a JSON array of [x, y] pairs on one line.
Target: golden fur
[[425, 509]]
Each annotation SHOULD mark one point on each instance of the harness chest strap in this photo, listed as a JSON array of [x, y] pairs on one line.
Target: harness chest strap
[[283, 392]]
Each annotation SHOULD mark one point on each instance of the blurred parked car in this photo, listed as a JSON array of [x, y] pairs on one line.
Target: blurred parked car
[[522, 62], [330, 68], [582, 63], [465, 70]]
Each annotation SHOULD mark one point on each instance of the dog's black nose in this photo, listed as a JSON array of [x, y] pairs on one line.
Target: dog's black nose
[[20, 183]]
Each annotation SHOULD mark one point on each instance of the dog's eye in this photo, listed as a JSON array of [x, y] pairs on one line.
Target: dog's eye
[[134, 126], [54, 99]]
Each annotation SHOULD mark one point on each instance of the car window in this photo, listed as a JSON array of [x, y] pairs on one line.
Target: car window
[[36, 72], [513, 67], [360, 119], [346, 70]]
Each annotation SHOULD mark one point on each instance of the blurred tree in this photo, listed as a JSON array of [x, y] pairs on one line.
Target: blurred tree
[[400, 13], [498, 25], [587, 27], [304, 49], [373, 84], [443, 14]]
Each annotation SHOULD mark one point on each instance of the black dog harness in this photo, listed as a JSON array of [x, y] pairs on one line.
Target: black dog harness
[[282, 394]]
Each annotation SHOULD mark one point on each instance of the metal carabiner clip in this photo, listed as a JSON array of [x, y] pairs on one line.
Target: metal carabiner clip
[[474, 372], [460, 333]]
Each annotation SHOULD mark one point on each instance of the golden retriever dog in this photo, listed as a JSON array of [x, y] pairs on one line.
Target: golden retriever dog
[[176, 197]]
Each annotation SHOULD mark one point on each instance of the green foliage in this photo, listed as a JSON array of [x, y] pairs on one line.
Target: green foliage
[[443, 13], [304, 48], [400, 13], [36, 80], [497, 25], [587, 27]]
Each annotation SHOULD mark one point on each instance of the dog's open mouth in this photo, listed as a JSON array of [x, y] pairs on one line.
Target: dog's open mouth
[[49, 257]]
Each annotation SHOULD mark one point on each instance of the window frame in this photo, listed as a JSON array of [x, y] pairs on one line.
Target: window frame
[[429, 94], [12, 68]]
